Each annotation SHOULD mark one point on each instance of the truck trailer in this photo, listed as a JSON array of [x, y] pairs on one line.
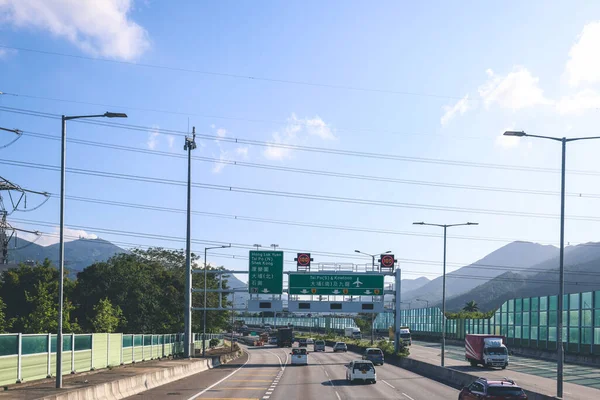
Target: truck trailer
[[353, 333], [487, 350], [284, 337]]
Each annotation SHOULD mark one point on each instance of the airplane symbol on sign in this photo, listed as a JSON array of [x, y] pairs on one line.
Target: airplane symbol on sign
[[357, 283]]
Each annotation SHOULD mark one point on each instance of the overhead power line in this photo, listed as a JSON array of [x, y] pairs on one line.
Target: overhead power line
[[305, 171], [235, 76], [304, 196], [321, 150], [315, 252], [241, 119]]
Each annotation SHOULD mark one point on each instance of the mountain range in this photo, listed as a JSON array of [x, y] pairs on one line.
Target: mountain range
[[518, 269], [78, 253]]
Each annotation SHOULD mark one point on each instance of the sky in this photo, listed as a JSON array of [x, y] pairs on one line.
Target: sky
[[318, 106]]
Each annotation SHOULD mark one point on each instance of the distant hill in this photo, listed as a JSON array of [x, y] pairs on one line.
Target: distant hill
[[78, 253], [409, 285], [515, 256], [582, 274], [240, 298]]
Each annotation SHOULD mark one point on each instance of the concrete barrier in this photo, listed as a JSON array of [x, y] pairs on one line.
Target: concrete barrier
[[129, 386]]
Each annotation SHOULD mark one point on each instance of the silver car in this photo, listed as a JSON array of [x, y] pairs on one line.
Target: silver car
[[340, 346], [319, 345]]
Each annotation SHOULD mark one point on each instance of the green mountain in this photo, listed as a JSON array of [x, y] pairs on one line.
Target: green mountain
[[78, 253]]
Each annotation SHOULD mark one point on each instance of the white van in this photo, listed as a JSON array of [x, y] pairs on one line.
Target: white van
[[361, 370], [299, 356]]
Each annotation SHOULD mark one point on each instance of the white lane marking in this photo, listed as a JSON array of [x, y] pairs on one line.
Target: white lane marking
[[408, 396], [326, 373], [338, 396], [216, 383], [388, 384]]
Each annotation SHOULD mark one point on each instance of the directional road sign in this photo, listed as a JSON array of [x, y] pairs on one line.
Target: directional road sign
[[336, 284], [266, 272]]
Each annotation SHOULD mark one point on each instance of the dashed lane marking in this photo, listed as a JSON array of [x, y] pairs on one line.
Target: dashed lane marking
[[408, 396], [388, 384], [218, 382]]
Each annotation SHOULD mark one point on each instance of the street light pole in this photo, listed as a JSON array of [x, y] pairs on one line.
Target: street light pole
[[204, 311], [445, 226], [61, 235], [561, 279], [190, 144], [372, 269]]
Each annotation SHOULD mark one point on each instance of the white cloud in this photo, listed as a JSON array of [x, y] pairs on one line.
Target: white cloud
[[579, 103], [294, 133], [153, 137], [52, 237], [171, 141], [221, 132], [461, 107], [5, 53], [317, 127], [242, 151], [584, 58], [100, 27], [517, 90]]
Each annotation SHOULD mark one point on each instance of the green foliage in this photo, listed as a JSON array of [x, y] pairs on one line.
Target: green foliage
[[31, 297], [386, 346], [213, 343], [471, 306], [3, 321], [107, 318], [364, 321], [470, 315]]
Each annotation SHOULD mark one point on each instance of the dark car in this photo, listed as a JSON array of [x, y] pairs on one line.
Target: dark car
[[492, 389], [374, 355], [302, 342]]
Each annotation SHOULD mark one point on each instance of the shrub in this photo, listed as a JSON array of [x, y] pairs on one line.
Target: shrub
[[213, 343]]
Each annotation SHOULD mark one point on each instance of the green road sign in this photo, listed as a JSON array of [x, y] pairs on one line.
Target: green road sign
[[336, 284], [266, 272]]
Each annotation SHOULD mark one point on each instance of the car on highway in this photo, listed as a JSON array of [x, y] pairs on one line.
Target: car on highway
[[340, 346], [319, 345], [302, 342], [373, 354], [310, 341], [273, 340], [361, 370], [299, 356], [483, 388]]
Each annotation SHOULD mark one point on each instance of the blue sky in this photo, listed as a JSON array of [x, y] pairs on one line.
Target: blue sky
[[450, 78]]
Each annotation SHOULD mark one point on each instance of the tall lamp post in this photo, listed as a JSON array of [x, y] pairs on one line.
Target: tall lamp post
[[190, 144], [372, 269], [561, 281], [445, 226], [204, 313], [61, 246]]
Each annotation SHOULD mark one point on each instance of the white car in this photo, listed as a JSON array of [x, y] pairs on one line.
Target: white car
[[310, 341], [361, 370], [299, 356]]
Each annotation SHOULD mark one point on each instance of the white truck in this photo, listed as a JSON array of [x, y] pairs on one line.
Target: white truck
[[353, 333], [487, 350]]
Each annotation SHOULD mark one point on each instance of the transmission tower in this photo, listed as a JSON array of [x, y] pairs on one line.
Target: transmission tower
[[17, 196]]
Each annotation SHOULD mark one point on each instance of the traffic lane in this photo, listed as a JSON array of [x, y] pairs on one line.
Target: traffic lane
[[248, 377], [258, 378], [405, 384], [187, 387], [304, 382]]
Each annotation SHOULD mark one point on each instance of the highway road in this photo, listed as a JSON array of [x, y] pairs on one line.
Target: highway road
[[265, 374]]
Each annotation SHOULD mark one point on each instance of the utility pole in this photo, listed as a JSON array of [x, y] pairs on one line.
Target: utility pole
[[190, 144], [274, 246]]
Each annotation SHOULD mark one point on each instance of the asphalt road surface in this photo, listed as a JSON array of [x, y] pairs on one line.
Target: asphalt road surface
[[265, 374]]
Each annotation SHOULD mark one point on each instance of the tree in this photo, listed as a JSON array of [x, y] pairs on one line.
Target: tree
[[148, 286], [3, 321], [107, 318], [30, 294], [363, 321], [471, 306]]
